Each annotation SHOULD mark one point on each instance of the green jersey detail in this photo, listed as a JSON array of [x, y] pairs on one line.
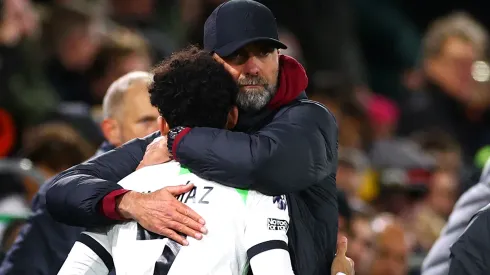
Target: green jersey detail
[[183, 171], [6, 218], [243, 193]]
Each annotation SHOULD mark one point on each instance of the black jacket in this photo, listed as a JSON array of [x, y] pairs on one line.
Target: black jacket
[[470, 254], [288, 150]]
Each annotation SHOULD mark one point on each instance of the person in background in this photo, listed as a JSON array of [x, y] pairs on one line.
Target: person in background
[[72, 40], [391, 250], [43, 243], [451, 100], [53, 147], [431, 214], [361, 242], [124, 51]]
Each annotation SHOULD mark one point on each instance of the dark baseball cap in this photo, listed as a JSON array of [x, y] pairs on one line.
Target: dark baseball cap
[[237, 23]]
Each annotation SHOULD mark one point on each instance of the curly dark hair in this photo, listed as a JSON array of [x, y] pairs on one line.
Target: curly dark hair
[[191, 89]]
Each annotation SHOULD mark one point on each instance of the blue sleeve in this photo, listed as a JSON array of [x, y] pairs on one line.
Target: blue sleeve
[[75, 196], [470, 254], [297, 149], [42, 244]]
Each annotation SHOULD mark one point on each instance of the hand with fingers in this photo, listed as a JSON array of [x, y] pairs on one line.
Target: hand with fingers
[[342, 265], [156, 153], [160, 212]]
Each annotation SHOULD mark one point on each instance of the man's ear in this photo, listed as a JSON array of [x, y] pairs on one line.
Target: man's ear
[[112, 132], [163, 126], [232, 118]]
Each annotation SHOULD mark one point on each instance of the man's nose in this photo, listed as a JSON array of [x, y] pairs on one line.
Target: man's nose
[[251, 67]]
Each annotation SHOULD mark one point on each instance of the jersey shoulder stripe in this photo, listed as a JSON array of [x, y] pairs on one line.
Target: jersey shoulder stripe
[[98, 249]]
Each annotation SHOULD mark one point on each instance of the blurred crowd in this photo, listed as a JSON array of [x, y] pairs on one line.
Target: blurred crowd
[[412, 107]]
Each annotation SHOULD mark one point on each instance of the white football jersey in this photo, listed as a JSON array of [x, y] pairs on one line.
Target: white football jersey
[[244, 227]]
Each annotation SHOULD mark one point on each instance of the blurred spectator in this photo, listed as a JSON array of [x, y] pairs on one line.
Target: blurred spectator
[[53, 148], [72, 38], [390, 44], [391, 250], [25, 95], [350, 170], [431, 215], [141, 16], [451, 46], [123, 52], [445, 150], [361, 243]]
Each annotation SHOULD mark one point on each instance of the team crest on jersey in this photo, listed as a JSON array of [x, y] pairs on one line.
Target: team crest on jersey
[[280, 201], [277, 224]]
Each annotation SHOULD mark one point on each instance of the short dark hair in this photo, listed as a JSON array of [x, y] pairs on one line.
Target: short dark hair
[[192, 89], [56, 145], [120, 44]]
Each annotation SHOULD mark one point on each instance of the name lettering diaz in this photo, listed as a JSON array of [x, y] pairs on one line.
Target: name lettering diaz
[[193, 195]]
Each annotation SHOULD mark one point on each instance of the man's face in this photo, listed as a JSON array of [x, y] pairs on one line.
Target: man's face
[[255, 68], [391, 256], [138, 118], [443, 193], [451, 68]]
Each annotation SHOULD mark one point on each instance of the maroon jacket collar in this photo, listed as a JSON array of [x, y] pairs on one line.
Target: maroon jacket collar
[[292, 81]]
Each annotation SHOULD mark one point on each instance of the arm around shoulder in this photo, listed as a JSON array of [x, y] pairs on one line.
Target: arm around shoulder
[[297, 149], [75, 196]]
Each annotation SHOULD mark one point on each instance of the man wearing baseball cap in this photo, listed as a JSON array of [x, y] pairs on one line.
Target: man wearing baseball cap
[[283, 144]]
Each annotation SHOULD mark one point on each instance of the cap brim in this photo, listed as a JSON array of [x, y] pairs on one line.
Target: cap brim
[[229, 48]]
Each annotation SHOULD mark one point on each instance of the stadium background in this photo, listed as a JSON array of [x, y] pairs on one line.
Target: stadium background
[[406, 80]]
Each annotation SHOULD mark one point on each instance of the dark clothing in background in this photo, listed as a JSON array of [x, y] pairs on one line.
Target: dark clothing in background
[[43, 243], [433, 109], [290, 148], [470, 254], [70, 86]]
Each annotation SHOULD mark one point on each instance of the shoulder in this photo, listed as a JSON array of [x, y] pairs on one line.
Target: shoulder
[[149, 176], [476, 235], [306, 107]]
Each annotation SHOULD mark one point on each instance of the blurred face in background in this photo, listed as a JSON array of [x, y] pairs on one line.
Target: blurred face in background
[[451, 68], [361, 243], [77, 50], [136, 118], [119, 67], [391, 252], [255, 68], [443, 192]]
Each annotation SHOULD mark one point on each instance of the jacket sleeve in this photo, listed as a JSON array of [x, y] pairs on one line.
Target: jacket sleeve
[[471, 253], [75, 196], [298, 148], [42, 243]]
